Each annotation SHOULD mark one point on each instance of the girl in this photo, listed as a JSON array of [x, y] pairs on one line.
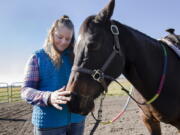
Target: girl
[[47, 72]]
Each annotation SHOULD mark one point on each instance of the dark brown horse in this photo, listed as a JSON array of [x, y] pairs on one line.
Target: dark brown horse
[[137, 56]]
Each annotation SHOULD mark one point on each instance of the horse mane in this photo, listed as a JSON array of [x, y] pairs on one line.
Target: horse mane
[[136, 33], [140, 35]]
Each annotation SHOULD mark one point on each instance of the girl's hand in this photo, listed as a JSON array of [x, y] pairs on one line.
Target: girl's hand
[[59, 97]]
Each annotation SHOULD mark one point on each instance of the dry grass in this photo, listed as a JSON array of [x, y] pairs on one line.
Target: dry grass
[[115, 89]]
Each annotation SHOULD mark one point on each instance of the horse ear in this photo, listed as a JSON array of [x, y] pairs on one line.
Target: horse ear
[[105, 14]]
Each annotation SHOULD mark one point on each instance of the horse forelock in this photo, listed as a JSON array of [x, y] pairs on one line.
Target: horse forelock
[[83, 29], [85, 25]]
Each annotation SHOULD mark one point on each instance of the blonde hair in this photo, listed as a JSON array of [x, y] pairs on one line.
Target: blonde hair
[[48, 44]]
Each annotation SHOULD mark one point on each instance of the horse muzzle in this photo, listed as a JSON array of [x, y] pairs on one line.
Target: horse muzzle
[[80, 104]]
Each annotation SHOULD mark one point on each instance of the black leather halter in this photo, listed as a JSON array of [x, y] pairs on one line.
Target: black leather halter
[[98, 74]]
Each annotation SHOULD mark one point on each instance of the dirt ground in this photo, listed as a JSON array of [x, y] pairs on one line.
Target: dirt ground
[[15, 119]]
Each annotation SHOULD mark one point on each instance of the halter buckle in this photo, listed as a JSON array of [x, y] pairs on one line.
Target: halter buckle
[[97, 75], [114, 29]]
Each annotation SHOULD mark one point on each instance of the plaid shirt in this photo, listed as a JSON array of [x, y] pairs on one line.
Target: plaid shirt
[[29, 91]]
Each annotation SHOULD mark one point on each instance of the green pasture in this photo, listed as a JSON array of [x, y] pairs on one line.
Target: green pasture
[[10, 94], [13, 94], [114, 89]]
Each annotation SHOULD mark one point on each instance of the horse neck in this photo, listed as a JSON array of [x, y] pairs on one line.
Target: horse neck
[[144, 62]]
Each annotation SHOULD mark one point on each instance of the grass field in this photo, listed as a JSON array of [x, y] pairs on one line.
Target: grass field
[[13, 94], [4, 94], [10, 94], [115, 89]]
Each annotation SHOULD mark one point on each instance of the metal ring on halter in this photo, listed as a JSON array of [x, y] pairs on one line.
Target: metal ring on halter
[[97, 75], [114, 30]]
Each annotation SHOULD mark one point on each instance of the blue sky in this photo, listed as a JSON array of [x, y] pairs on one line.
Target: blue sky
[[24, 24]]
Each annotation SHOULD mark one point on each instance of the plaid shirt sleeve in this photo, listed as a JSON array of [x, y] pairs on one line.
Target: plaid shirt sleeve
[[29, 91]]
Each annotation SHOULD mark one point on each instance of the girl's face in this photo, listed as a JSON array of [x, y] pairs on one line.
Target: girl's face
[[62, 37]]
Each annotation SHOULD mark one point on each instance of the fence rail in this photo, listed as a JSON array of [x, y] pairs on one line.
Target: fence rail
[[10, 93]]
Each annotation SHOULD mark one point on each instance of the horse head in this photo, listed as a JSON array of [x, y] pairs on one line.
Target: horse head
[[97, 56]]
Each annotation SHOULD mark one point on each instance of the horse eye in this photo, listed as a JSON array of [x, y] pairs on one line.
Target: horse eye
[[90, 45]]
